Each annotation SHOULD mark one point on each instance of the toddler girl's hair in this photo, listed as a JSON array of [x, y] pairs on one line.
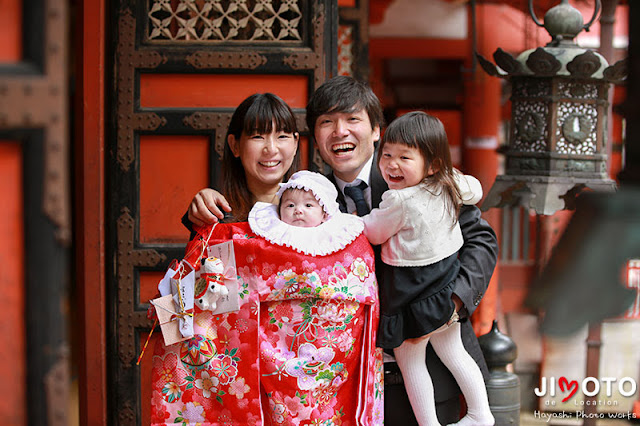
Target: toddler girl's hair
[[426, 133]]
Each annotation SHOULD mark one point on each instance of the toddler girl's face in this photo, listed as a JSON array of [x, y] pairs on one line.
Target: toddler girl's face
[[402, 166], [300, 208]]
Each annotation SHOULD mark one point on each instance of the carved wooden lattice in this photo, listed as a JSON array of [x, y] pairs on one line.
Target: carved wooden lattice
[[218, 20]]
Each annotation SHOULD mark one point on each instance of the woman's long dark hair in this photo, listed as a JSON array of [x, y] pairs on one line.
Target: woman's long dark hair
[[256, 114], [426, 133]]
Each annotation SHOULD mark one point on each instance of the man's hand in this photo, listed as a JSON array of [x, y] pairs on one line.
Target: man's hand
[[205, 208], [457, 301]]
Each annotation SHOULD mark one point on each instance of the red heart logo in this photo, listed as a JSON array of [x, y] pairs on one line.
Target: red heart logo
[[571, 386]]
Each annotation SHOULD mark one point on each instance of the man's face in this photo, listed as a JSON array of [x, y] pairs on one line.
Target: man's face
[[345, 141]]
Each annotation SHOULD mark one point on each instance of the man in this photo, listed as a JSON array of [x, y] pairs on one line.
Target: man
[[345, 119]]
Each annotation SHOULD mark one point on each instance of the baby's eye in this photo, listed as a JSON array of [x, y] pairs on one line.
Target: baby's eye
[[309, 205]]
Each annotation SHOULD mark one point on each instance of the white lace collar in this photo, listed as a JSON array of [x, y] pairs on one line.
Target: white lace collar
[[329, 237]]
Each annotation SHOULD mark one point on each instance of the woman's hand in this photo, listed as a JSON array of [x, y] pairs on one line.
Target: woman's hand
[[207, 207]]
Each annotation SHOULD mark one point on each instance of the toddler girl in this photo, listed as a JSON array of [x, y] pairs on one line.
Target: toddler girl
[[417, 226]]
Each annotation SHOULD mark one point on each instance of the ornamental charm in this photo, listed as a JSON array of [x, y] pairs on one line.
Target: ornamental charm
[[584, 65], [576, 128], [543, 63], [530, 127]]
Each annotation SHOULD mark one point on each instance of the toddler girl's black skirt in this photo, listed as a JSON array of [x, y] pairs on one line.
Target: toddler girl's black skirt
[[415, 300]]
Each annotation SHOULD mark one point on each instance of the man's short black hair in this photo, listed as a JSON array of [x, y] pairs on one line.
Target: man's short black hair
[[344, 94]]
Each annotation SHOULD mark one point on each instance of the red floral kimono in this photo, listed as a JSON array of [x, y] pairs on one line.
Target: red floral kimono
[[299, 351]]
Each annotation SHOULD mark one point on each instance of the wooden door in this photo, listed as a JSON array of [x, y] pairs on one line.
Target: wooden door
[[180, 69], [35, 220]]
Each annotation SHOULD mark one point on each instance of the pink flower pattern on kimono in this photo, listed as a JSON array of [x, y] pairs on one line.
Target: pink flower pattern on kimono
[[309, 365], [224, 367], [281, 313], [169, 376], [158, 409], [207, 384], [192, 413], [334, 314], [308, 267], [345, 342], [296, 407], [238, 388], [228, 337], [360, 269]]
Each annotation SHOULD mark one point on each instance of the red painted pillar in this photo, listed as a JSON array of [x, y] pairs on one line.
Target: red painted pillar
[[90, 212], [481, 124]]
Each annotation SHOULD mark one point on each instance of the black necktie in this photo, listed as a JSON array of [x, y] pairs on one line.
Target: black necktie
[[356, 193]]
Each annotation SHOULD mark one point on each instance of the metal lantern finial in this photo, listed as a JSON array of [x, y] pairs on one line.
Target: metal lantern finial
[[559, 104], [564, 22]]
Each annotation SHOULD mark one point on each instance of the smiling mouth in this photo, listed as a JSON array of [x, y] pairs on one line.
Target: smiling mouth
[[393, 178], [343, 148], [269, 163]]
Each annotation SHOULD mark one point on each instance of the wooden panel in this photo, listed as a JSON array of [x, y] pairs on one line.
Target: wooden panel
[[149, 284], [12, 304], [219, 91], [172, 170], [11, 31], [418, 48]]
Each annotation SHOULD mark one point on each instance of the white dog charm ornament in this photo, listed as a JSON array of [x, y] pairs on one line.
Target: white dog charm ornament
[[209, 288]]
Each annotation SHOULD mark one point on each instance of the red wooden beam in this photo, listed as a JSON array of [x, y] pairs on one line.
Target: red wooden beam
[[90, 211]]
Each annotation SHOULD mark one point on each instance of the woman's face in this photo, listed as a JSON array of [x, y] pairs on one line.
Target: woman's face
[[265, 157]]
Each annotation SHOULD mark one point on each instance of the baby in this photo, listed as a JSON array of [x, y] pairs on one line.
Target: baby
[[299, 207], [307, 218]]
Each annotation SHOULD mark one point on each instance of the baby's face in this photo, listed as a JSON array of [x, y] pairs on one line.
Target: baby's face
[[300, 208]]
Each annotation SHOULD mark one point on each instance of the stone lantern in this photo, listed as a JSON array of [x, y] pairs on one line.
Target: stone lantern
[[559, 108]]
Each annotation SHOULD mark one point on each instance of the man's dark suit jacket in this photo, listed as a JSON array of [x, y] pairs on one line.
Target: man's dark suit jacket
[[478, 258]]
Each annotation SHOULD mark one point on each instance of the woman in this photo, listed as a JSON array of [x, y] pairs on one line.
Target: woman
[[301, 347]]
